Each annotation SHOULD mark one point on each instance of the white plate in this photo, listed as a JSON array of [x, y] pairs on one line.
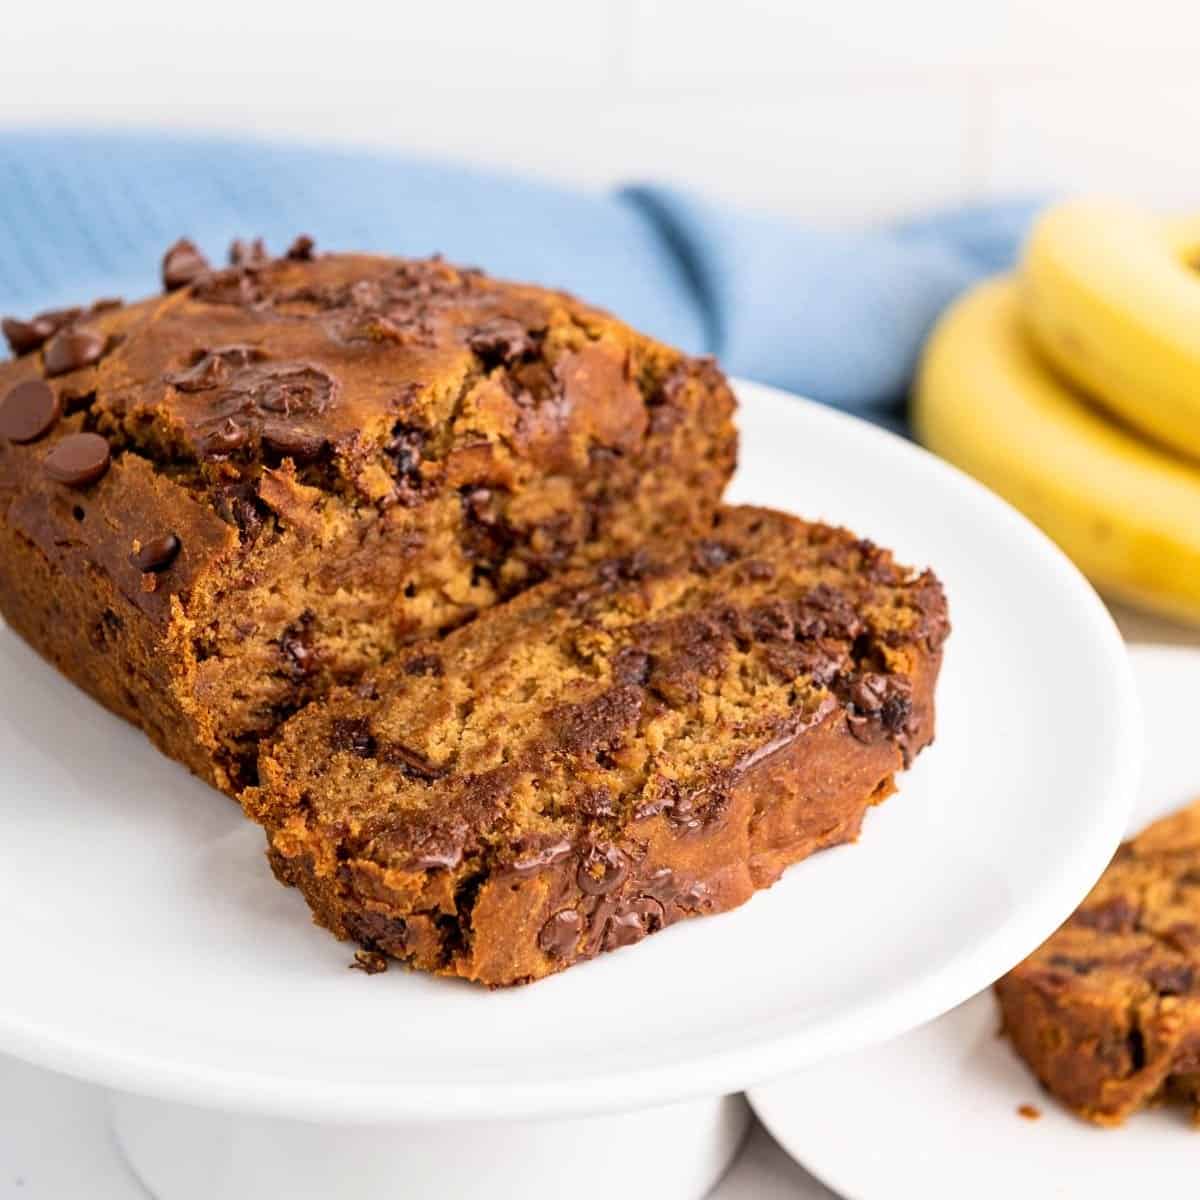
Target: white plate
[[934, 1115], [146, 946]]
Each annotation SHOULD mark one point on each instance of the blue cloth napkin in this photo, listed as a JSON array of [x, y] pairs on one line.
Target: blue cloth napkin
[[839, 316]]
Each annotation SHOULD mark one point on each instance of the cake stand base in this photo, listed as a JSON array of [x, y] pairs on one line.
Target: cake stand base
[[185, 1153]]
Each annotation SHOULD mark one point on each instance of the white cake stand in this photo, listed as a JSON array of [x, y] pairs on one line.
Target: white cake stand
[[146, 947]]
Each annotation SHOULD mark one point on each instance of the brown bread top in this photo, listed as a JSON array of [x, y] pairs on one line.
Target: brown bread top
[[376, 381], [278, 472]]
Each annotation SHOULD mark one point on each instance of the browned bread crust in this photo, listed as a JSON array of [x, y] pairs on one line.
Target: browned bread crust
[[1107, 1011], [312, 461], [616, 749]]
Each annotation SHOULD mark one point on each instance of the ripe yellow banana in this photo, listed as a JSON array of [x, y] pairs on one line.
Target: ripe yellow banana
[[1111, 296], [1126, 511]]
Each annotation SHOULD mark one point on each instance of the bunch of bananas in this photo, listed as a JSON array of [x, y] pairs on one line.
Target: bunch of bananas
[[1072, 388]]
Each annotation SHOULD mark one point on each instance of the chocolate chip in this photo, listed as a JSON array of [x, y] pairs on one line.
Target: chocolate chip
[[687, 809], [157, 554], [771, 621], [560, 934], [1116, 915], [882, 704], [439, 849], [301, 250], [1078, 966], [689, 895], [182, 264], [631, 665], [695, 897], [602, 870], [23, 337], [238, 504], [352, 734], [414, 764], [631, 568], [660, 795], [26, 336], [292, 389], [867, 693], [296, 645], [208, 369], [501, 340], [206, 373], [28, 411], [423, 664], [377, 933], [534, 856], [299, 445], [248, 254], [78, 460], [661, 884], [71, 349], [1135, 1042], [634, 921], [600, 723], [827, 612], [225, 439], [404, 449], [289, 394]]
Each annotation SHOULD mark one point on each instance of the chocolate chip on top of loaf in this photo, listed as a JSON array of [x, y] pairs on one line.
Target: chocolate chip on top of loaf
[[1107, 1012], [216, 504], [618, 748]]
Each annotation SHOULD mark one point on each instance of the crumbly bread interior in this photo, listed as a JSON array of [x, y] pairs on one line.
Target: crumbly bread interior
[[597, 701]]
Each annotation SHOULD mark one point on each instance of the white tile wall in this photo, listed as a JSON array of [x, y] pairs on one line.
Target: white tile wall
[[834, 110], [1120, 40], [1134, 139], [759, 42]]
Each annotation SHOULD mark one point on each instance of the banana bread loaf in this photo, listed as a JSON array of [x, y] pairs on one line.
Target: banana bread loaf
[[216, 504], [1107, 1012], [618, 748]]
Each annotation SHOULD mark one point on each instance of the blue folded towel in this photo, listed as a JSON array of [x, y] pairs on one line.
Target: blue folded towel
[[839, 316]]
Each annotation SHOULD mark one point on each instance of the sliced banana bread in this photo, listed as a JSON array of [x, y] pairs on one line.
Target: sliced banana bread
[[616, 749], [217, 504], [1107, 1012]]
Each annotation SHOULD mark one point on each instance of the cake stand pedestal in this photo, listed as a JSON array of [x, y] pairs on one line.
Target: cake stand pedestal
[[184, 1153]]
